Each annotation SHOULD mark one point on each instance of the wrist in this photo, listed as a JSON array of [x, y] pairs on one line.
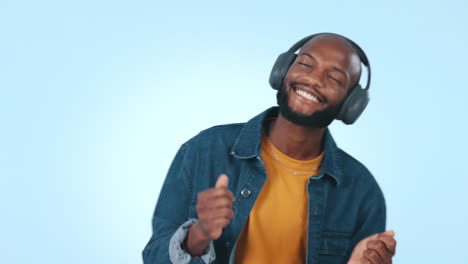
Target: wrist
[[199, 233], [197, 241]]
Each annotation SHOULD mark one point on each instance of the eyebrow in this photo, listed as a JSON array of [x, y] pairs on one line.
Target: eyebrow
[[333, 67], [308, 55]]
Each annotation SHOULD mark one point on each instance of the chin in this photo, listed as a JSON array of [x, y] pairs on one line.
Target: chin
[[305, 116], [301, 110]]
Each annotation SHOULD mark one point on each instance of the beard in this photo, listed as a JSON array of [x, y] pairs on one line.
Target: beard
[[319, 119]]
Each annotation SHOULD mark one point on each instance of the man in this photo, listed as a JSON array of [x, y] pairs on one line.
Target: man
[[277, 189]]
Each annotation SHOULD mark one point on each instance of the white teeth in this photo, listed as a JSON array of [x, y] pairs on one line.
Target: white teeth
[[307, 96]]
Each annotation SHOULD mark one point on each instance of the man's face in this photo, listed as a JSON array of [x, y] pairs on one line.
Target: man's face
[[318, 81]]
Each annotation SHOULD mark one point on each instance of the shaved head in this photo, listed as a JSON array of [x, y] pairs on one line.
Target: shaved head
[[349, 53]]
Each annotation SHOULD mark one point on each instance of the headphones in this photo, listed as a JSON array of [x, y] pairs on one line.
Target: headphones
[[357, 99]]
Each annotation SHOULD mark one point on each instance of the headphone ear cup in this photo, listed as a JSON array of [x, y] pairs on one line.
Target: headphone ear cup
[[280, 69], [354, 105]]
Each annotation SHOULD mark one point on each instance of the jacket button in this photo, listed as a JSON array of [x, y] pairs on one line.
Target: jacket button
[[245, 193]]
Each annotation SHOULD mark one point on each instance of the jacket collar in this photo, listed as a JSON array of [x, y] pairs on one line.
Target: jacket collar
[[247, 145]]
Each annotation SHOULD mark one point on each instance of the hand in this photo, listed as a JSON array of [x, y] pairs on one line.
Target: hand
[[375, 249], [214, 208]]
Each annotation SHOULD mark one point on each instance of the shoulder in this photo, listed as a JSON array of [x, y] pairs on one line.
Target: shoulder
[[225, 130], [357, 174], [219, 132], [214, 138], [354, 166]]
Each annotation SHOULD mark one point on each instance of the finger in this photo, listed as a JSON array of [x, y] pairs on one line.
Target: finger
[[389, 233], [221, 192], [210, 209], [205, 210], [229, 194], [214, 203], [220, 213], [389, 242], [222, 182], [215, 193], [214, 225], [221, 223], [379, 247], [372, 237], [373, 256], [364, 260], [209, 212], [220, 202]]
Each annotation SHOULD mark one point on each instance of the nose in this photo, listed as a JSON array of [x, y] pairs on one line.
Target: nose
[[315, 78]]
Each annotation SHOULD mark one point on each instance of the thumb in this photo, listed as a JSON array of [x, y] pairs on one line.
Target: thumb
[[388, 233], [222, 181]]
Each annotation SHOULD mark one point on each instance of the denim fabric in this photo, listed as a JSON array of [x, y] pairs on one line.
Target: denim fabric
[[178, 255], [345, 202]]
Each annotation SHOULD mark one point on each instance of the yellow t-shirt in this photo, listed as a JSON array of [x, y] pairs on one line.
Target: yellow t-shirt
[[276, 231]]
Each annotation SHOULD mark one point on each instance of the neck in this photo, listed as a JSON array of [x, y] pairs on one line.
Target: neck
[[297, 142]]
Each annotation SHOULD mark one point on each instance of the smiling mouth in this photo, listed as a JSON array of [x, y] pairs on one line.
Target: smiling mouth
[[306, 94]]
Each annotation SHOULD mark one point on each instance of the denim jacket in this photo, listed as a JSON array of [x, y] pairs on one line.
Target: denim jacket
[[345, 202]]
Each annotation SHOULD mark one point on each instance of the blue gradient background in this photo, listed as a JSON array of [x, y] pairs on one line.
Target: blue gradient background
[[96, 98]]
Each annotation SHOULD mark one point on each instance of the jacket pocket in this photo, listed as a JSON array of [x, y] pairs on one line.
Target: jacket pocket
[[335, 243]]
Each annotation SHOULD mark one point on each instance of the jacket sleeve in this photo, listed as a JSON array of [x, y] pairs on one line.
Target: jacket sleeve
[[372, 216], [171, 219]]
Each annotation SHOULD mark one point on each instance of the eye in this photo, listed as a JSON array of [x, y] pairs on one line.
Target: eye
[[304, 64], [335, 80]]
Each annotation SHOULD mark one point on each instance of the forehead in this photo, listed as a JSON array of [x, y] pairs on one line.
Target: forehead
[[332, 49]]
